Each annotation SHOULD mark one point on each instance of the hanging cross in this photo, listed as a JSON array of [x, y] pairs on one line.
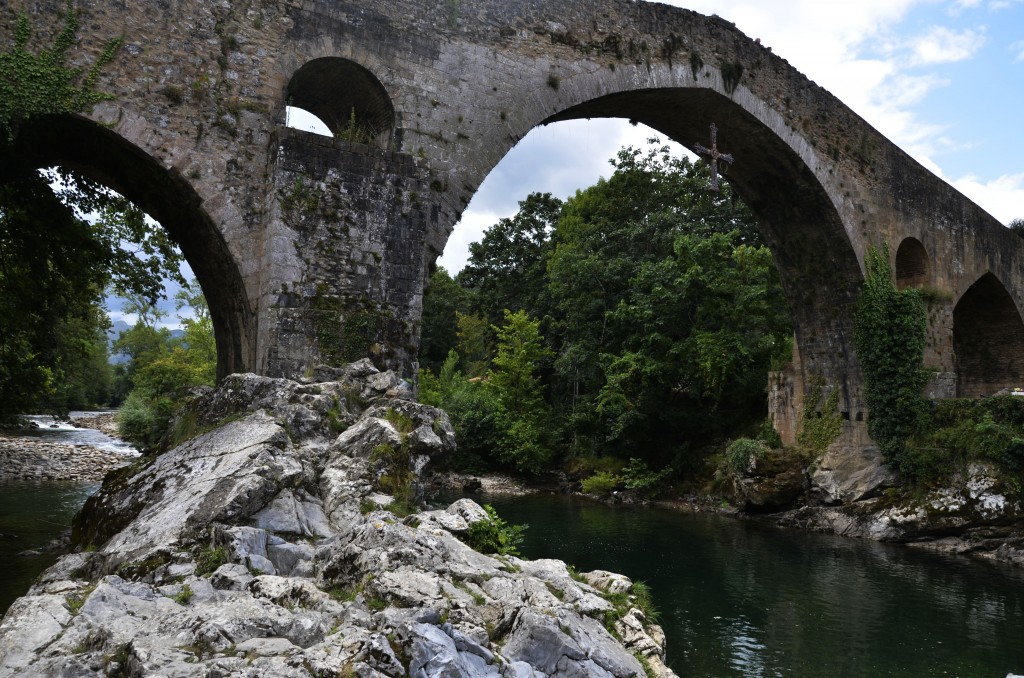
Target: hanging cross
[[714, 155]]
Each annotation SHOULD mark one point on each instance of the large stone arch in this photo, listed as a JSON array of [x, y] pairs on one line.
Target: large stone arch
[[201, 89], [776, 171], [101, 154], [988, 340]]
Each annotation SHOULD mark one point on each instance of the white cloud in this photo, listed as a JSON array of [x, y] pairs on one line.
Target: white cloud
[[1018, 47], [1002, 197], [940, 45]]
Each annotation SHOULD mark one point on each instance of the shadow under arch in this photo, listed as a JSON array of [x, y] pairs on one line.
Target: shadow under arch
[[106, 157], [988, 340], [817, 263], [346, 97], [912, 267]]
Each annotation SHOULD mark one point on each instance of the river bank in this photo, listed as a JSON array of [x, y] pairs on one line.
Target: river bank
[[37, 454], [975, 514]]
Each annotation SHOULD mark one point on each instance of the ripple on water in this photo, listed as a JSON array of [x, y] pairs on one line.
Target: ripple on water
[[739, 598]]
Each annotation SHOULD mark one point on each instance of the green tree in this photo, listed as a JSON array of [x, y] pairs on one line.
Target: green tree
[[705, 325], [443, 300], [54, 262], [163, 368], [507, 269], [631, 280], [472, 406], [522, 413], [474, 342], [1017, 226]]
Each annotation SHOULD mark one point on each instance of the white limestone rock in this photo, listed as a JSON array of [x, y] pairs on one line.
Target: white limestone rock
[[307, 572]]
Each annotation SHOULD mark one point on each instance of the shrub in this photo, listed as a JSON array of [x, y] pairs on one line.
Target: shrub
[[637, 475], [741, 451], [889, 337], [494, 535], [601, 483]]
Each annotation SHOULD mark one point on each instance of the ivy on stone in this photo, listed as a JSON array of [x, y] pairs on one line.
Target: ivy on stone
[[889, 339], [38, 84]]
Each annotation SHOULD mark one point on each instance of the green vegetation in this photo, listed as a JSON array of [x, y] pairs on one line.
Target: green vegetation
[[209, 559], [184, 595], [950, 433], [35, 84], [162, 368], [741, 451], [396, 477], [820, 423], [635, 321], [601, 483], [639, 596], [889, 339], [494, 535], [56, 264]]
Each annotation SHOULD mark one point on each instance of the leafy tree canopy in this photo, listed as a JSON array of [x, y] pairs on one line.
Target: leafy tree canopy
[[64, 239], [638, 319]]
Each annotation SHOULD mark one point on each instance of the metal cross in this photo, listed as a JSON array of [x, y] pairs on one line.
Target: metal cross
[[714, 155]]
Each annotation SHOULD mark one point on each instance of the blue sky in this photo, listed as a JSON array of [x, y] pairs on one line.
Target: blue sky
[[943, 79]]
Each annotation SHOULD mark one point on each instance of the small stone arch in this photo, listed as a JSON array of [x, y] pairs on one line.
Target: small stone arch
[[912, 264], [346, 97], [988, 340]]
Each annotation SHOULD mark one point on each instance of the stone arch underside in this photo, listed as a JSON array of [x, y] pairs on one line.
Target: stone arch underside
[[912, 266], [108, 158], [816, 261], [988, 340], [341, 93]]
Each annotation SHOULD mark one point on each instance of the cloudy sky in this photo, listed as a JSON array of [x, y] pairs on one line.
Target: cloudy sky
[[943, 79]]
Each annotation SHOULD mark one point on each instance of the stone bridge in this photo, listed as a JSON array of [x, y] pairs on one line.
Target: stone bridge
[[314, 251]]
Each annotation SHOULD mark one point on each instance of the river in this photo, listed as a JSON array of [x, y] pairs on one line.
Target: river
[[741, 598], [33, 514], [737, 597]]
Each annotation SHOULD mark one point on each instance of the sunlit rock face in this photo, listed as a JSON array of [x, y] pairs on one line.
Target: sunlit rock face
[[272, 544]]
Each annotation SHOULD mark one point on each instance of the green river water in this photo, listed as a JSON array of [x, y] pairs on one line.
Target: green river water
[[737, 597], [740, 598]]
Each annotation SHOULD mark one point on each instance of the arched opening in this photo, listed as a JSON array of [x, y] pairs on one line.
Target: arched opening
[[346, 97], [911, 264], [109, 159], [988, 340], [816, 261]]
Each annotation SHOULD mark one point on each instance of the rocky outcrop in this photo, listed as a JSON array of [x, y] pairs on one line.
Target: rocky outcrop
[[773, 482], [975, 513], [849, 473], [272, 545]]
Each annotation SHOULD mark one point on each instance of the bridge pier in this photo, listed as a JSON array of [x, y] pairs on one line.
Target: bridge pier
[[345, 260]]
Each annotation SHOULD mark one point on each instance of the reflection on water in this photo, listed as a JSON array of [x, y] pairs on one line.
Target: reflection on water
[[31, 516], [740, 598]]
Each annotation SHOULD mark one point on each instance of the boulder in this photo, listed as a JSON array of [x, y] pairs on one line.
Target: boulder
[[849, 473], [311, 574]]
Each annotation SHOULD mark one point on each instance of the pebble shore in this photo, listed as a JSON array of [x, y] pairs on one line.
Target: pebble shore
[[28, 458]]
